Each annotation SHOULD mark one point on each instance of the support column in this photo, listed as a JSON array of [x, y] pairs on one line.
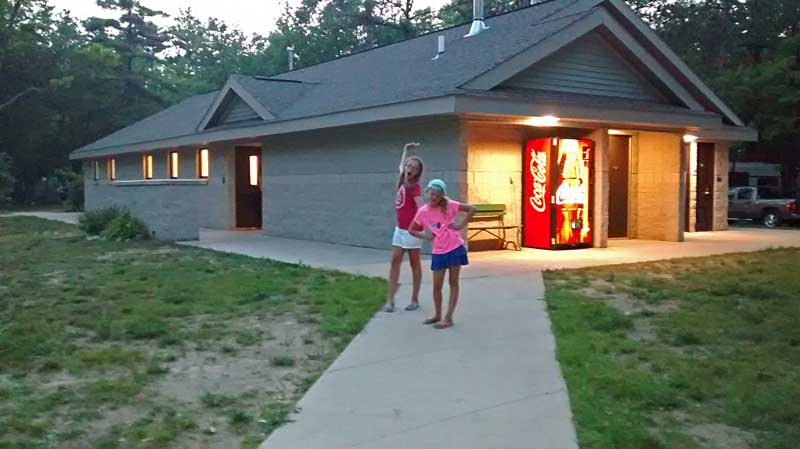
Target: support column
[[721, 157], [601, 187], [684, 184]]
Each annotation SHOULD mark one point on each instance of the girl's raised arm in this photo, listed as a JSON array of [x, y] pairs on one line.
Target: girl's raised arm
[[406, 147]]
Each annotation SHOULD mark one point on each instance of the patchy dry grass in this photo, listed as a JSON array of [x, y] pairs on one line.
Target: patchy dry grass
[[144, 344], [694, 353]]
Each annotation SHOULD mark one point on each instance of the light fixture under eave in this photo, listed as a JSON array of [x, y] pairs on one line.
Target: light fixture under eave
[[545, 120], [688, 138]]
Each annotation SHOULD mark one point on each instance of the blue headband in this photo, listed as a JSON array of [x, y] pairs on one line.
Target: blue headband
[[437, 184]]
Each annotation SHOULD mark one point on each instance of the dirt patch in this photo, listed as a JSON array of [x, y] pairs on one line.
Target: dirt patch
[[247, 370], [721, 436], [56, 277], [132, 253], [641, 311]]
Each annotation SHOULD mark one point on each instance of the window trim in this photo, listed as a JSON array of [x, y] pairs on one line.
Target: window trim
[[147, 166], [200, 163], [173, 165]]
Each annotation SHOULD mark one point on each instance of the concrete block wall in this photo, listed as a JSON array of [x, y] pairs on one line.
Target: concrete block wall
[[494, 171], [339, 185], [692, 192], [656, 187], [172, 209], [721, 158]]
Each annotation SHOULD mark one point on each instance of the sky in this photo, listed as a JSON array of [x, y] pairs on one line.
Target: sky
[[251, 16]]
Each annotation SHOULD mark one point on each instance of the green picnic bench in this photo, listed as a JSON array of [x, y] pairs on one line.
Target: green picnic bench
[[483, 218]]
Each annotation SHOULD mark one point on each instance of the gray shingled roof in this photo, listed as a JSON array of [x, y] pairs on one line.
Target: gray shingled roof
[[393, 73]]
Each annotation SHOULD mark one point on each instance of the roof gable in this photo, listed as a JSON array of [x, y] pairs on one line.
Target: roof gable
[[676, 64], [598, 23], [233, 106], [591, 66], [233, 110]]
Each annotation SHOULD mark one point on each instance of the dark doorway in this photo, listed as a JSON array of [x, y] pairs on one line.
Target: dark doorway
[[248, 187], [618, 192], [705, 187]]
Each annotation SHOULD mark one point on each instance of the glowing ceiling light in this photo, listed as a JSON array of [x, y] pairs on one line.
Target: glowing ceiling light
[[545, 120]]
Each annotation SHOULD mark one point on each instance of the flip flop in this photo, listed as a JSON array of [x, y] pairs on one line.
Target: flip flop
[[443, 325], [431, 321], [388, 308], [411, 307]]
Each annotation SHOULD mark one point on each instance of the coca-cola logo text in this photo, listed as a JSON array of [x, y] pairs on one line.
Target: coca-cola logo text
[[538, 169]]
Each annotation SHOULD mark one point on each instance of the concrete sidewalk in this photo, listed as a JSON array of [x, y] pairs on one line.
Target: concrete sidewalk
[[65, 217], [492, 381]]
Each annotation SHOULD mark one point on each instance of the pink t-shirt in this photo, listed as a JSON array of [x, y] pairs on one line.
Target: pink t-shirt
[[406, 205], [432, 219]]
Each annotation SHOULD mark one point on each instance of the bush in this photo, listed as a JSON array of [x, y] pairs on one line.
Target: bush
[[95, 222], [6, 179], [114, 224], [72, 183], [126, 227]]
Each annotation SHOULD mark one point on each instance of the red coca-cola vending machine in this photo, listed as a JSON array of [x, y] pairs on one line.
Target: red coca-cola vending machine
[[557, 193]]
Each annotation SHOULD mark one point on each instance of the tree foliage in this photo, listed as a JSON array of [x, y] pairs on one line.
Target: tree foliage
[[65, 82]]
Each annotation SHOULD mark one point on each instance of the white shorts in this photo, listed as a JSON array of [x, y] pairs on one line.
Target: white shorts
[[405, 240]]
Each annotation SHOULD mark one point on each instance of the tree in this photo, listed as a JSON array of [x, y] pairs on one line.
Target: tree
[[458, 12], [205, 54], [138, 42]]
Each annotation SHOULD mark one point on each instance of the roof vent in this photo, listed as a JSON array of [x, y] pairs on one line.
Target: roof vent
[[439, 48], [477, 19]]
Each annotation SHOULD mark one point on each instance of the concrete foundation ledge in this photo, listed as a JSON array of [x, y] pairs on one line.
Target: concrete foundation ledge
[[159, 182]]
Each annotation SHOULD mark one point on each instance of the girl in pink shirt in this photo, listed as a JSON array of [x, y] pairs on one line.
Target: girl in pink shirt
[[437, 221], [408, 198]]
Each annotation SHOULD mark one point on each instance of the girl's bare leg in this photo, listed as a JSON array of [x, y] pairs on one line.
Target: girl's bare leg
[[394, 273], [455, 271], [438, 282], [416, 274]]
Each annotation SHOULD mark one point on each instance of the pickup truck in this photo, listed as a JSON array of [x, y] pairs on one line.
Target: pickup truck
[[750, 203]]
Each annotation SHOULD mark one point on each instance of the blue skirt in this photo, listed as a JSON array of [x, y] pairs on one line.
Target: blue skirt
[[454, 258]]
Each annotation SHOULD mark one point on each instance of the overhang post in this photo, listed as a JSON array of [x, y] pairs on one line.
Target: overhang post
[[601, 186]]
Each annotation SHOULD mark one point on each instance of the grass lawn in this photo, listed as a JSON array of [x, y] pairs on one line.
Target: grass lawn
[[693, 353], [145, 344]]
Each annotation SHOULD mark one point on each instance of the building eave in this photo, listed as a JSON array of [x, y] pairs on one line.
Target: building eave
[[404, 110]]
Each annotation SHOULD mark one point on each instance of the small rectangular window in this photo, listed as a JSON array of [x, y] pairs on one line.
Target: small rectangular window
[[202, 163], [112, 169], [173, 164], [253, 170], [147, 166], [95, 170]]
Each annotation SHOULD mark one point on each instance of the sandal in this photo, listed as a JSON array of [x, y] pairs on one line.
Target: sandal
[[443, 325], [388, 308], [431, 321], [412, 307]]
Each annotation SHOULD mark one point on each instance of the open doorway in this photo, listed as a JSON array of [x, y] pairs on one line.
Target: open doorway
[[248, 187], [618, 191]]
